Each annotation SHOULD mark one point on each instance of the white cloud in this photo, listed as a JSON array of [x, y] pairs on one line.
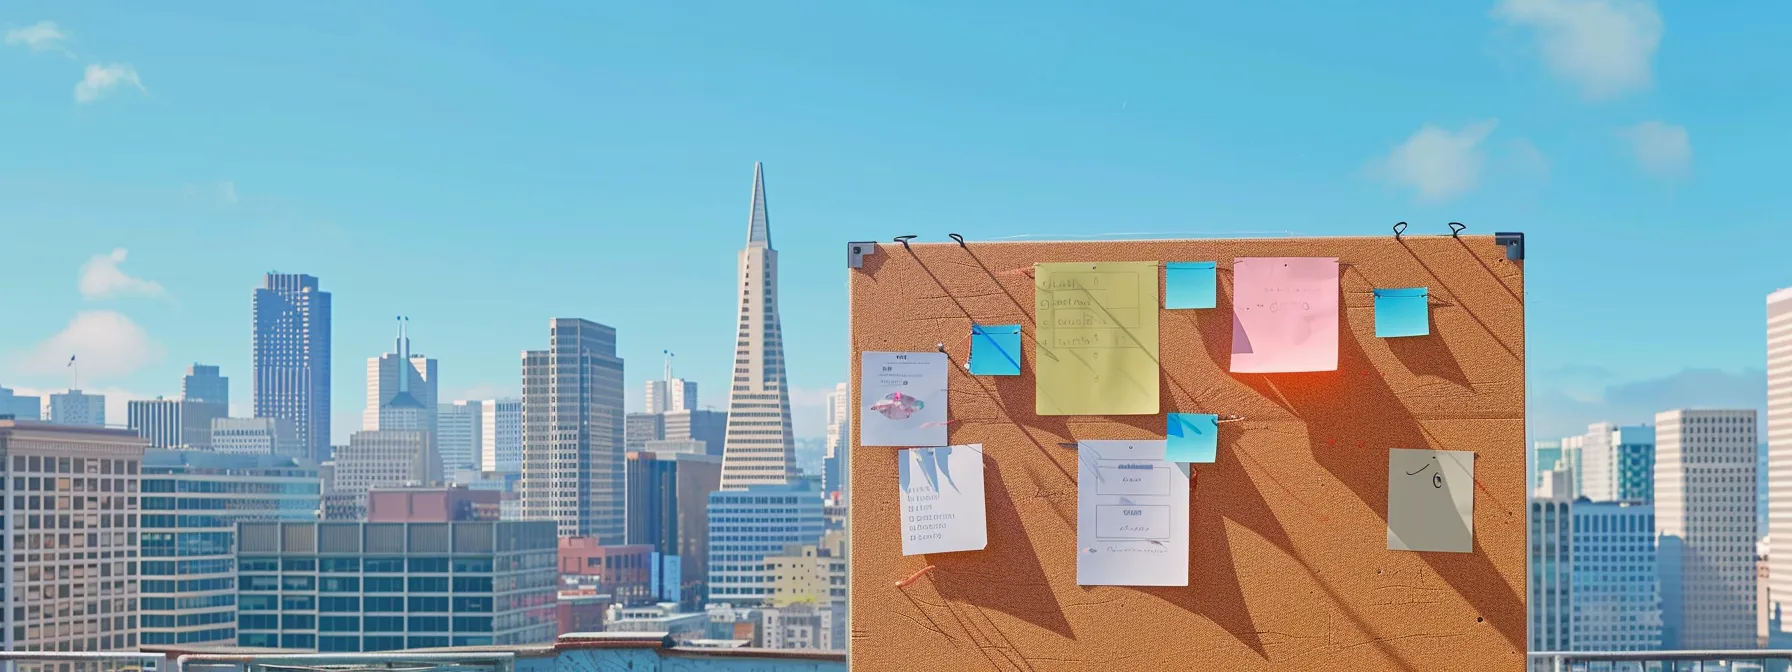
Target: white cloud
[[1437, 163], [1565, 401], [1601, 46], [106, 343], [1662, 150], [101, 79], [40, 37], [102, 278]]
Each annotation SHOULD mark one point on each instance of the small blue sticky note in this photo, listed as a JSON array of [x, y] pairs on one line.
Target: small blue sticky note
[[1188, 284], [1402, 312], [995, 351], [1192, 437]]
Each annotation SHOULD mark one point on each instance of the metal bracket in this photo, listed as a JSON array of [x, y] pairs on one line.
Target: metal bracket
[[1513, 242], [857, 251]]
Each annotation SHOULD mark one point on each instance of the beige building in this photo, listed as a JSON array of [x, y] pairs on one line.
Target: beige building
[[1705, 527], [72, 532], [758, 448], [810, 574], [378, 459]]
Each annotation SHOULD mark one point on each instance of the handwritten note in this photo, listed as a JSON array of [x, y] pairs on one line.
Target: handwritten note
[[1097, 332], [1131, 515], [1431, 500], [1189, 284], [1402, 312], [995, 350], [904, 399], [942, 501], [1285, 314], [1191, 437]]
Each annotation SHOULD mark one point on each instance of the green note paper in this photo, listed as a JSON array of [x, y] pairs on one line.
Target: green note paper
[[1097, 327]]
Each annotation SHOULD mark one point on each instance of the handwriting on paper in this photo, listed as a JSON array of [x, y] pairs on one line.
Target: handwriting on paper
[[1098, 343], [1285, 314]]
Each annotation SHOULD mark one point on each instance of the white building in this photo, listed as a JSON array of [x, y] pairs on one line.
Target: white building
[[1779, 450], [256, 436], [1705, 525], [501, 435], [458, 435], [759, 448], [671, 394], [75, 407], [839, 440], [158, 420], [1617, 463], [21, 406], [400, 380]]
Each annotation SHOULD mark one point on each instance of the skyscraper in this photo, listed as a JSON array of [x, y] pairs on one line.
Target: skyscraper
[[1618, 463], [501, 440], [78, 408], [668, 499], [1545, 455], [758, 448], [1779, 454], [203, 384], [839, 437], [158, 420], [572, 431], [458, 435], [292, 357], [1705, 524], [401, 388], [670, 394]]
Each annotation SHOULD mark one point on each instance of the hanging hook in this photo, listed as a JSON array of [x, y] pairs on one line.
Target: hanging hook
[[958, 238], [904, 240], [1399, 228], [940, 347], [1455, 229]]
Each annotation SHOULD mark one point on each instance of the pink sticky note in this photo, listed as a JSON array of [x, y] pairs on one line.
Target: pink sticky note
[[1284, 314]]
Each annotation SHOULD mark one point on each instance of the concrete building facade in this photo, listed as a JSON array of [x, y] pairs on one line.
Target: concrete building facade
[[1704, 522]]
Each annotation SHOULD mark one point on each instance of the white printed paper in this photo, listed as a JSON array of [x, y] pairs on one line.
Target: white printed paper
[[1131, 515], [942, 500], [902, 399]]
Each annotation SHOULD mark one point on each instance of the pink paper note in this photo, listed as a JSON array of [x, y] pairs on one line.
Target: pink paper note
[[1284, 314]]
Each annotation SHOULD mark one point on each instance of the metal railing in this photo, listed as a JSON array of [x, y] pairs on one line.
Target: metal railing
[[1745, 660], [385, 661]]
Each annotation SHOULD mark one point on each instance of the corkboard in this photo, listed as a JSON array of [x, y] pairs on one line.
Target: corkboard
[[1288, 545]]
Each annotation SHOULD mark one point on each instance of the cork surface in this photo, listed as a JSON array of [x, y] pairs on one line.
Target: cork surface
[[1289, 567]]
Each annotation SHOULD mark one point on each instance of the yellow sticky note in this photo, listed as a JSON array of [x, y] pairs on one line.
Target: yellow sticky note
[[1097, 331]]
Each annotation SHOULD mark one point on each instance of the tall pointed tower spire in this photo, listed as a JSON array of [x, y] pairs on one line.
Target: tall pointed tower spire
[[758, 448], [759, 228]]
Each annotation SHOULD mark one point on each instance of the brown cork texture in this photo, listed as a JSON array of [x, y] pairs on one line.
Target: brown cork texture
[[1289, 567]]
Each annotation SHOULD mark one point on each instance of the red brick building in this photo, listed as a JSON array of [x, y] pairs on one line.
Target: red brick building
[[625, 573]]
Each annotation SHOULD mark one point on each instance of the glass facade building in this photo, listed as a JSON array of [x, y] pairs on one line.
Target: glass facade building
[[746, 526], [192, 501]]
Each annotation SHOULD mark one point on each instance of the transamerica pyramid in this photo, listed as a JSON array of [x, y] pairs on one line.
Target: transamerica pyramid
[[758, 449]]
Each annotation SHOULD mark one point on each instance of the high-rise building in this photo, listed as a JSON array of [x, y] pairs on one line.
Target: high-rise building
[[292, 358], [1705, 522], [77, 408], [1615, 592], [348, 587], [458, 434], [256, 436], [639, 428], [401, 388], [1618, 463], [1779, 454], [710, 427], [21, 406], [839, 441], [746, 526], [158, 420], [192, 501], [1545, 455], [759, 448], [572, 431], [62, 596], [375, 459], [1571, 462], [501, 430], [203, 384], [205, 396], [668, 500]]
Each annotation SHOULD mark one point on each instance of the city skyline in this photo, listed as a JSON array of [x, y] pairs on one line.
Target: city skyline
[[639, 186]]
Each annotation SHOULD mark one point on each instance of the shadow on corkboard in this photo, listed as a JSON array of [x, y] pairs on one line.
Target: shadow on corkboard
[[1025, 592]]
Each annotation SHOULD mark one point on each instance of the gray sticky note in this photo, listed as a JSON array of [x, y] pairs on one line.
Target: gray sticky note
[[1431, 500]]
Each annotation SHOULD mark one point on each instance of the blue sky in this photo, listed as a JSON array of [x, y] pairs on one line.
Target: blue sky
[[482, 171]]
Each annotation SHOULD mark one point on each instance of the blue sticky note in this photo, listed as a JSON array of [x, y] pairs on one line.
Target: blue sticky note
[[1192, 437], [995, 351], [1188, 284], [1402, 312]]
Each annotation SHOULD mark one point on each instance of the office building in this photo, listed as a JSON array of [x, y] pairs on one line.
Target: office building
[[572, 431], [1551, 575], [501, 430], [1544, 457], [348, 587], [1615, 591], [158, 420], [809, 573], [639, 428], [291, 352], [256, 436], [1705, 522], [71, 530], [77, 408], [1779, 451], [710, 427], [624, 571], [668, 501], [432, 504], [204, 385], [205, 396], [458, 435], [758, 448], [192, 501], [379, 459], [746, 526], [839, 441], [664, 618], [1618, 463], [670, 394], [401, 388], [21, 406]]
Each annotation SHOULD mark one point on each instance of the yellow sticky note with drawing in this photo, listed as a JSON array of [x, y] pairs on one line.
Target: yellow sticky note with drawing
[[1097, 338]]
